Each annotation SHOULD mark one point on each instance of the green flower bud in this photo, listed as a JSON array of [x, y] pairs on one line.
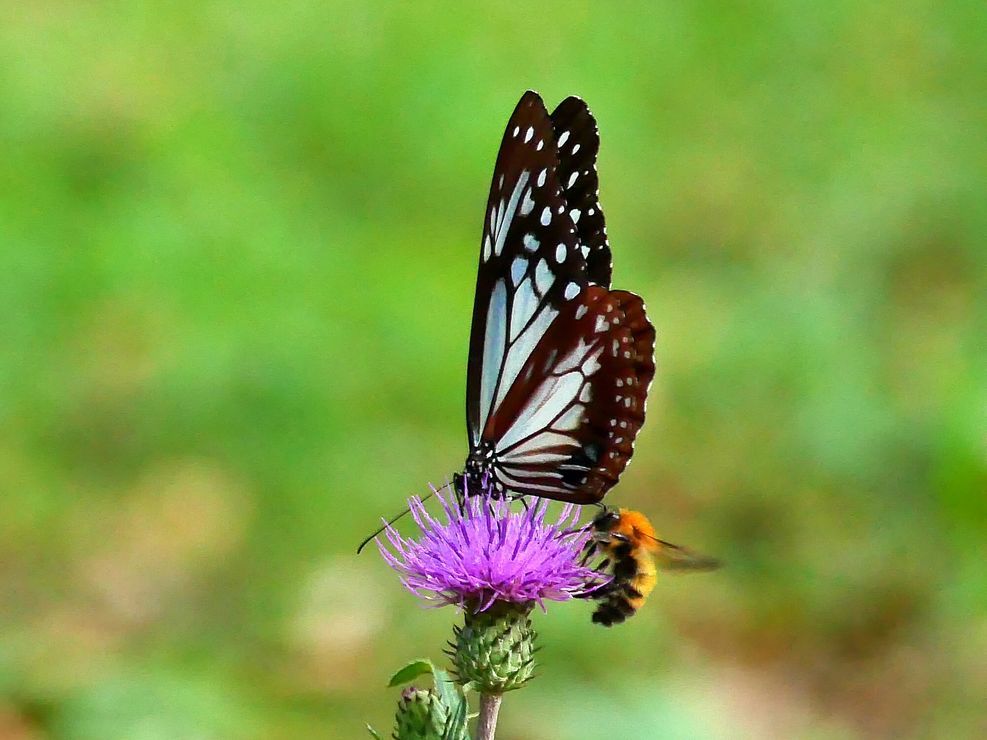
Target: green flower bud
[[494, 649], [420, 716]]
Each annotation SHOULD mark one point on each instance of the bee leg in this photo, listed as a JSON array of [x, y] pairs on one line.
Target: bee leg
[[596, 587], [606, 590]]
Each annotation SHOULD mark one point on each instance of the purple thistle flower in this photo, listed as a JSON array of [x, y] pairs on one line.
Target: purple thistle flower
[[484, 553]]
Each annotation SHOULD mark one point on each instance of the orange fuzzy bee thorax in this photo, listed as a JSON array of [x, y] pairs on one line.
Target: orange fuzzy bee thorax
[[636, 528]]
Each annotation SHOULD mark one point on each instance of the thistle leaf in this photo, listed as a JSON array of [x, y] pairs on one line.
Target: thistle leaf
[[413, 670], [456, 726]]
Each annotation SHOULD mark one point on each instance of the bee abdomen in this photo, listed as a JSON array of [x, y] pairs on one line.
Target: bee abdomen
[[625, 569], [613, 611], [632, 593]]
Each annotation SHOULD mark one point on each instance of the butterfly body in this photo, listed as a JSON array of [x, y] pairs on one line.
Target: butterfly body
[[559, 364]]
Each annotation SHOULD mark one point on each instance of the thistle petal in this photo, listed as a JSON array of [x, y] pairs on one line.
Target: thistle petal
[[480, 552]]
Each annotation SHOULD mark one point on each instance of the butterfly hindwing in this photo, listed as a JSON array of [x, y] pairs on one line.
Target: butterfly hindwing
[[566, 429]]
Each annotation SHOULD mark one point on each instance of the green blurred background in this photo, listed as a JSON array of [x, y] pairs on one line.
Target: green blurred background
[[238, 247]]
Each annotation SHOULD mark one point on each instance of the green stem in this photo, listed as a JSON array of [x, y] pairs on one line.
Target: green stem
[[489, 709]]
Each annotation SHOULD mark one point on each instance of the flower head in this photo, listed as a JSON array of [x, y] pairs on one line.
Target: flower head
[[484, 553]]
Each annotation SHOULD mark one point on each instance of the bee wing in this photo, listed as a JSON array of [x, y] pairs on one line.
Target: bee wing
[[681, 559]]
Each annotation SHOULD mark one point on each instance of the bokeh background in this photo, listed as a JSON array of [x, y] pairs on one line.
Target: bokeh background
[[238, 247]]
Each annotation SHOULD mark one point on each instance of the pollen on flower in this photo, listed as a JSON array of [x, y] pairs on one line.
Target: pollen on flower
[[484, 552]]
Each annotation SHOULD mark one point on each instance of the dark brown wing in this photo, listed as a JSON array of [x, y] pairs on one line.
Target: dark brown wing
[[578, 141], [566, 429]]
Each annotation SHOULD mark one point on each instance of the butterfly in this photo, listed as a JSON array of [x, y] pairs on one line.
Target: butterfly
[[559, 364]]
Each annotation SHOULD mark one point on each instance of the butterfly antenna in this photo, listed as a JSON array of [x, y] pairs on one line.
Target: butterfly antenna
[[396, 518]]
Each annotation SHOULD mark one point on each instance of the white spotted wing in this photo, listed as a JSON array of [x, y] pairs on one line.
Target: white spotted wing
[[559, 365], [577, 141]]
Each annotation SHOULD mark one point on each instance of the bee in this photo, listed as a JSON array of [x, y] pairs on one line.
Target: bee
[[632, 554]]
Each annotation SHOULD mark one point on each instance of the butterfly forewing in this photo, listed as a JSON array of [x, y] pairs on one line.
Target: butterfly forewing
[[529, 261], [559, 366], [578, 141]]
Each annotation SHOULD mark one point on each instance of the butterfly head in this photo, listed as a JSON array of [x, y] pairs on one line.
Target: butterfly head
[[477, 476]]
